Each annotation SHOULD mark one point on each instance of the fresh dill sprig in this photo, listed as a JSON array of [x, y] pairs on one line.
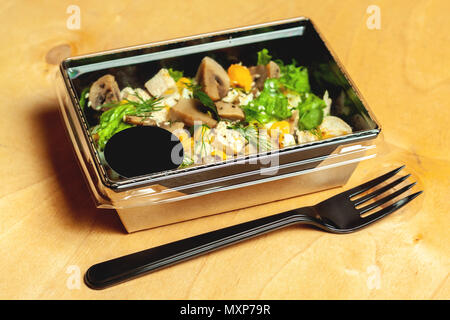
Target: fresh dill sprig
[[112, 119], [143, 107], [204, 134], [263, 57]]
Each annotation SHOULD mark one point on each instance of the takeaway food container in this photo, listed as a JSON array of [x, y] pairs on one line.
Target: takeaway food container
[[181, 194]]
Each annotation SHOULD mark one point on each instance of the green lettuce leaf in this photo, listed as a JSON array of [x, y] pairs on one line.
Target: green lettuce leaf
[[175, 74], [263, 57], [111, 123], [271, 104], [111, 120], [310, 112], [294, 77]]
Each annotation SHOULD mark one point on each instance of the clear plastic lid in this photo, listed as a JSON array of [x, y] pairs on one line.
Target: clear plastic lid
[[285, 40]]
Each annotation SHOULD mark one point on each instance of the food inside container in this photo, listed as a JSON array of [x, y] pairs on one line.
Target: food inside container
[[221, 112], [250, 105]]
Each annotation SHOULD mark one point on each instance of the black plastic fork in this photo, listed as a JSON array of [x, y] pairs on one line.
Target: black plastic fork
[[338, 214]]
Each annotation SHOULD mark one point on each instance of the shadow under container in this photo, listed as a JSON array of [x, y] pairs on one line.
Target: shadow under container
[[177, 195]]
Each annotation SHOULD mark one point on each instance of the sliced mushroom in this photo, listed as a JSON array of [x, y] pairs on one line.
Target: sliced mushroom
[[273, 70], [139, 121], [259, 74], [173, 126], [186, 110], [213, 78], [229, 111], [145, 121], [104, 90]]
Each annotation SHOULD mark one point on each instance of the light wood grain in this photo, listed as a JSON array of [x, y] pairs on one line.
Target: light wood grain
[[48, 221]]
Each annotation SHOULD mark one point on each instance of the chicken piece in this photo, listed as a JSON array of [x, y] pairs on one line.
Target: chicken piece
[[280, 134], [228, 141], [161, 115], [134, 94], [186, 93], [177, 129], [161, 83], [169, 100], [286, 140], [259, 74], [202, 134], [188, 146], [332, 126], [213, 78], [229, 111], [104, 90], [304, 136], [186, 110], [232, 96], [250, 148], [293, 121], [263, 141], [238, 97], [328, 102], [174, 127], [273, 70], [244, 98], [202, 148]]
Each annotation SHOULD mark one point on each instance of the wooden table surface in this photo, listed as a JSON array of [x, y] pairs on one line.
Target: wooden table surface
[[51, 232]]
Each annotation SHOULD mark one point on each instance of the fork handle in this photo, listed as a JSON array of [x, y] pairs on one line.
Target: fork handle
[[108, 273]]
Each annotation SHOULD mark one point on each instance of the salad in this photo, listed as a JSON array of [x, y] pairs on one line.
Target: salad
[[219, 113]]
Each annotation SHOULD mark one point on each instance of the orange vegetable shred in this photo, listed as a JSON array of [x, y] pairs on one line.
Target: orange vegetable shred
[[240, 76]]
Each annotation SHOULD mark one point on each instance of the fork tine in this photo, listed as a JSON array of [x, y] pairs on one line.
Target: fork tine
[[380, 191], [372, 183], [393, 207], [385, 199]]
